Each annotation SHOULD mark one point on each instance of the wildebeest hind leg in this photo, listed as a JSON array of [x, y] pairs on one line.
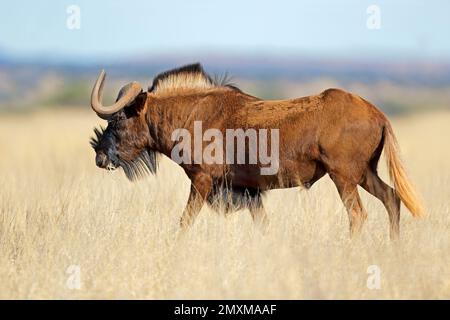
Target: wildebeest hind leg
[[348, 192], [373, 184]]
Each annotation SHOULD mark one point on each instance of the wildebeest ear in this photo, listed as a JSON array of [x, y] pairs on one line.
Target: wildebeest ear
[[136, 106]]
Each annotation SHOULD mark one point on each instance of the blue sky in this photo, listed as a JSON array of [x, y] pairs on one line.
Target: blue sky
[[114, 29]]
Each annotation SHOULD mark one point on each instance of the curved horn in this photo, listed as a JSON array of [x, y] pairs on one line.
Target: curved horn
[[127, 94]]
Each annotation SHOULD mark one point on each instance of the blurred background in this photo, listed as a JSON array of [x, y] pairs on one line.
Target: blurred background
[[394, 53]]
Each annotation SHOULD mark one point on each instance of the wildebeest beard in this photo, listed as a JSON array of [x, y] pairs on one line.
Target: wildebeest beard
[[146, 162]]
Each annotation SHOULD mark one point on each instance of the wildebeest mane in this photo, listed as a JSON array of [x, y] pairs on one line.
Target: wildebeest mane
[[188, 77], [231, 198]]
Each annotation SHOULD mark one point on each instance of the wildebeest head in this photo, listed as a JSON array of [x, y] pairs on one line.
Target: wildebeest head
[[126, 141]]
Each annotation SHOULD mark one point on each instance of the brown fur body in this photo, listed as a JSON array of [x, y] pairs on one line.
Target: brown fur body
[[334, 132]]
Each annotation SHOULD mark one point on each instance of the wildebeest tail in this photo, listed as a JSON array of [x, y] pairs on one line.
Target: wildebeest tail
[[403, 186]]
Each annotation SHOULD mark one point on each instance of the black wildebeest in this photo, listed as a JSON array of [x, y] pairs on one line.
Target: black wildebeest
[[334, 132]]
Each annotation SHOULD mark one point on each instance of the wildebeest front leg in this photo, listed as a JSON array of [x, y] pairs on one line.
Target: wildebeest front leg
[[258, 213], [200, 188], [192, 209]]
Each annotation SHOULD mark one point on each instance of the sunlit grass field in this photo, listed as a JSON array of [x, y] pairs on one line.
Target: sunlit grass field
[[58, 210]]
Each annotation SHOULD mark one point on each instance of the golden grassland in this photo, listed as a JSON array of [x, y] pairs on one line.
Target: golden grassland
[[57, 209]]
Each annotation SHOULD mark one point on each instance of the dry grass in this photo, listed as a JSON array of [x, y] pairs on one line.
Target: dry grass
[[57, 209]]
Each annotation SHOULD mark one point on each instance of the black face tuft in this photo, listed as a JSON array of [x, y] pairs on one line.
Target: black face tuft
[[95, 141], [104, 144]]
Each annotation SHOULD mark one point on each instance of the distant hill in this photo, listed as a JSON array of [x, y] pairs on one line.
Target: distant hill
[[424, 72], [40, 81]]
